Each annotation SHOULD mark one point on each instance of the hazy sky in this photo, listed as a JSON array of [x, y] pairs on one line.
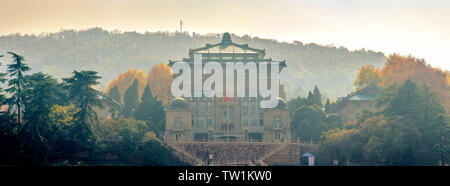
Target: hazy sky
[[421, 28]]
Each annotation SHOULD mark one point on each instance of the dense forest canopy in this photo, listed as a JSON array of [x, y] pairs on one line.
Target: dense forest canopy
[[331, 68]]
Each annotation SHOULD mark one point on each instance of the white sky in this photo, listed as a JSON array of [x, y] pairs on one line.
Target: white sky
[[420, 28]]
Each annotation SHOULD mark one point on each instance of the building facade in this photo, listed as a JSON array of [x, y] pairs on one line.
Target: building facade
[[350, 106], [227, 119]]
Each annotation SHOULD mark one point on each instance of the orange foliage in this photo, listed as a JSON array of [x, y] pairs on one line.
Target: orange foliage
[[124, 80], [399, 68], [160, 78]]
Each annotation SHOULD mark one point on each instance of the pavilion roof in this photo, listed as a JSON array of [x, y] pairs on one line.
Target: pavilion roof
[[227, 46]]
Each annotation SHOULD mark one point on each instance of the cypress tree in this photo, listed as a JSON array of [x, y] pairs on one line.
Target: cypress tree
[[114, 94], [310, 99], [149, 110], [328, 106], [317, 97], [131, 100]]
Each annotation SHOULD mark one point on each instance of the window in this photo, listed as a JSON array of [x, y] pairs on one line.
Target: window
[[178, 123], [209, 122], [277, 123], [253, 122], [277, 136]]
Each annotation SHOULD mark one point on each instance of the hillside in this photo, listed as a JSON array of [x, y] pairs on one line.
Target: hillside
[[110, 53]]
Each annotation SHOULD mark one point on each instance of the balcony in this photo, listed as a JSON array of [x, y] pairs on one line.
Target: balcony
[[277, 127], [253, 128], [178, 129]]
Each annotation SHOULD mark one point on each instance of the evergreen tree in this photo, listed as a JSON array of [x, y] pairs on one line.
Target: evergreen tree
[[84, 97], [317, 97], [40, 97], [131, 100], [114, 94], [328, 106], [16, 71], [310, 98], [150, 110], [2, 80], [411, 100]]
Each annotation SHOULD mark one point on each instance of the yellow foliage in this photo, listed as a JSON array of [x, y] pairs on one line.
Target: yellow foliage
[[367, 75], [62, 115], [124, 80], [149, 136], [160, 78]]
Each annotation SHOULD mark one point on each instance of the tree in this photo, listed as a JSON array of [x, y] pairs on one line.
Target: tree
[[367, 75], [125, 80], [412, 101], [114, 94], [343, 145], [310, 98], [132, 142], [317, 97], [420, 108], [404, 132], [314, 98], [2, 80], [153, 152], [39, 98], [328, 106], [309, 122], [295, 103], [16, 71], [160, 78], [84, 97], [400, 68], [131, 100], [150, 110]]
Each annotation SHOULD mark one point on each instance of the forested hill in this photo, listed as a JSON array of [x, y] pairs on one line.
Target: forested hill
[[110, 53]]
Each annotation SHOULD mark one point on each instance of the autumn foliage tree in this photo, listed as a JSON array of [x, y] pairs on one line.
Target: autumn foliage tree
[[405, 132], [160, 78], [125, 80], [367, 75], [400, 68]]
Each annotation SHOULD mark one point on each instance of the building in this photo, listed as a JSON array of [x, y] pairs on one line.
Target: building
[[227, 119], [110, 107], [350, 106]]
